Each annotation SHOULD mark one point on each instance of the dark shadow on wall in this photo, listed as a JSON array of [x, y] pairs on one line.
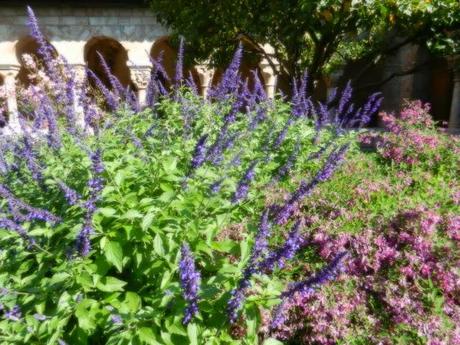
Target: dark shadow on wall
[[116, 57], [164, 50]]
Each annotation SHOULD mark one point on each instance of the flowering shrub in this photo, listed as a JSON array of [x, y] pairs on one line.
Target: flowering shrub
[[113, 218], [411, 138], [211, 221]]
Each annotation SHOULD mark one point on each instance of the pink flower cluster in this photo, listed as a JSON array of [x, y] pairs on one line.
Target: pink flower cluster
[[401, 279], [411, 137]]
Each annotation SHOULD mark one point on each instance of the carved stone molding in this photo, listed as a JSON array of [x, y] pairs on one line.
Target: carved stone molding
[[140, 75]]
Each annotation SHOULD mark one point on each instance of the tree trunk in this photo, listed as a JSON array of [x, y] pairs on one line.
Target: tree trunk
[[454, 119]]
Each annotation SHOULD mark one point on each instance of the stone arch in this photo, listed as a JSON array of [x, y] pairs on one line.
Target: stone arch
[[28, 45], [163, 46], [116, 57], [250, 62]]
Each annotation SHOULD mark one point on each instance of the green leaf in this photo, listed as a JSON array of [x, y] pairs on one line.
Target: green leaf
[[86, 314], [114, 254], [132, 214], [147, 221], [158, 245], [110, 284], [107, 211], [192, 331], [133, 301], [146, 335]]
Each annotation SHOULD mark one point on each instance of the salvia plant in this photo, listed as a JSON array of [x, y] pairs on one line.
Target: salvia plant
[[171, 222]]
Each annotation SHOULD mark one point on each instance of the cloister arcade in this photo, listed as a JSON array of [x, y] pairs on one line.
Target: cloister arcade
[[125, 63]]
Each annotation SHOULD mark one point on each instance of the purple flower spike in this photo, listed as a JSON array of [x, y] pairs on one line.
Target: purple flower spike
[[115, 84], [83, 241], [199, 155], [332, 162], [230, 80], [110, 98], [305, 189], [179, 65], [45, 50], [10, 225], [242, 188], [238, 294], [306, 287], [190, 280], [286, 252], [70, 194]]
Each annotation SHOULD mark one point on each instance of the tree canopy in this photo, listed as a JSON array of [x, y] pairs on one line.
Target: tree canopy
[[317, 35]]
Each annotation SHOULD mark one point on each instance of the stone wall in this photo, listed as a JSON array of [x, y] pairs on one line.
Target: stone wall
[[72, 28]]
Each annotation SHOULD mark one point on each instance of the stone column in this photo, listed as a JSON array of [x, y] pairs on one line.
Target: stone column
[[140, 75], [205, 74], [269, 76], [13, 125], [454, 119]]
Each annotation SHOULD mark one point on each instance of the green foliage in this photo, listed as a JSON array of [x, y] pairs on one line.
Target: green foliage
[[148, 209], [316, 35]]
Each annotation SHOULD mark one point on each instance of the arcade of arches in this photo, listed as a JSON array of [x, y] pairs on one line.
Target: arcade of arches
[[117, 58]]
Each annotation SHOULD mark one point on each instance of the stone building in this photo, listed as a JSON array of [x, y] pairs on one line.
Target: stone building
[[124, 32]]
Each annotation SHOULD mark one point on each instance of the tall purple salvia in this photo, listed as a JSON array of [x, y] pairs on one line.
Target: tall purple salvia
[[25, 212], [53, 136], [229, 84], [83, 243], [242, 187], [344, 99], [214, 152], [190, 280], [307, 287], [179, 65], [259, 91], [300, 102], [115, 84], [109, 97], [199, 154], [306, 188], [8, 224], [95, 185], [70, 194], [30, 158], [45, 50], [287, 251], [333, 161], [282, 135], [259, 249]]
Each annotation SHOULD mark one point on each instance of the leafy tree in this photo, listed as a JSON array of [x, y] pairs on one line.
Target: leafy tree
[[315, 34]]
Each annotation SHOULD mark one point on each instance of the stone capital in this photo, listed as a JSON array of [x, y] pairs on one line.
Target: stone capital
[[140, 75]]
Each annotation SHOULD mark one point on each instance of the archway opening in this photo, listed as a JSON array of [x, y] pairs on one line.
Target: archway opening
[[116, 58], [28, 45], [250, 62], [163, 49]]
